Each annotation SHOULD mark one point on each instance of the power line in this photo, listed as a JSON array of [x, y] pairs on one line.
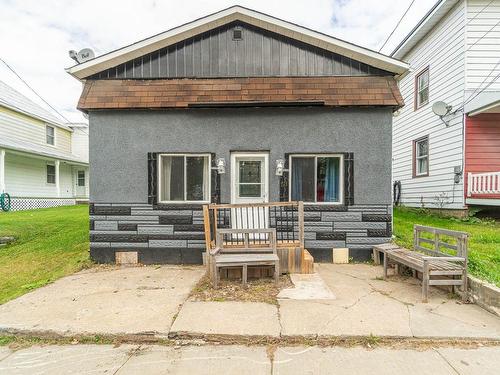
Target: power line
[[466, 101], [486, 33], [38, 95], [484, 80], [485, 87], [33, 90], [439, 48], [397, 25]]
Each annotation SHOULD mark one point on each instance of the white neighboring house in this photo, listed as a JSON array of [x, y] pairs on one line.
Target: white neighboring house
[[43, 162], [454, 57]]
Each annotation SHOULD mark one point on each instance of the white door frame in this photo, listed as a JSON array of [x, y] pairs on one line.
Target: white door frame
[[262, 155]]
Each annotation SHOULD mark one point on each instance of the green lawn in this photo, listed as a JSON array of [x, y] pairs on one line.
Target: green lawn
[[484, 240], [51, 243]]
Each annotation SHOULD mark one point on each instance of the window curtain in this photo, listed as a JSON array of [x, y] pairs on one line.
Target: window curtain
[[206, 171], [167, 177], [297, 179], [332, 180]]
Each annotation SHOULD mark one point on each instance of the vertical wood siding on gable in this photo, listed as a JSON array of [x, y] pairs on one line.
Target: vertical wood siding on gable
[[484, 45], [20, 127], [443, 51], [258, 53]]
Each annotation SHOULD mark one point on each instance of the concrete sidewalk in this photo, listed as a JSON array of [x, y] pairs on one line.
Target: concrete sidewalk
[[133, 359], [363, 305]]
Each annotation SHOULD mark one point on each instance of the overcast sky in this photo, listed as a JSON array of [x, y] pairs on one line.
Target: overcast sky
[[36, 35]]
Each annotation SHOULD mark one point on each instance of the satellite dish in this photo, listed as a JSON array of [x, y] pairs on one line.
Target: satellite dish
[[82, 56], [85, 54], [441, 108]]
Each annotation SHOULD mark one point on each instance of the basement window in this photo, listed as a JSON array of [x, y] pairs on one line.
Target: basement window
[[184, 177], [237, 34]]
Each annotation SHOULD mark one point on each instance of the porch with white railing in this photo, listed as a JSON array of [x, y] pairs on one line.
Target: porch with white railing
[[483, 184]]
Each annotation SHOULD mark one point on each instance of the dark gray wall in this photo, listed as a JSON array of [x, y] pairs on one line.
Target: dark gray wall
[[259, 53], [120, 141]]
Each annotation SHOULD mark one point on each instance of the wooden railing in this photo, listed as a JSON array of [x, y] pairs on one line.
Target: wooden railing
[[286, 217], [483, 183]]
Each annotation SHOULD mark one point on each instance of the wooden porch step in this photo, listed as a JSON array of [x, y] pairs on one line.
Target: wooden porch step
[[307, 264]]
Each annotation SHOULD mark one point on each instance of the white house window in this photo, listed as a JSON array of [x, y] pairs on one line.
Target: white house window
[[316, 178], [250, 179], [50, 135], [421, 157], [51, 174], [422, 92], [81, 178], [184, 178]]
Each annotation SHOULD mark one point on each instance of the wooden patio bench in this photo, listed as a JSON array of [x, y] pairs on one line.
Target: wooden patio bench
[[431, 262], [252, 247]]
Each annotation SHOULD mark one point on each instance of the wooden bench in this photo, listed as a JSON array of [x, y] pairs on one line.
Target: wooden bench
[[252, 247], [433, 260]]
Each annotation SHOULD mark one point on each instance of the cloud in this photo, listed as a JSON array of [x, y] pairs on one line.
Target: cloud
[[35, 36]]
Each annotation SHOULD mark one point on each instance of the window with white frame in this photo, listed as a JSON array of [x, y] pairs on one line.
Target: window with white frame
[[81, 178], [50, 135], [422, 88], [421, 157], [51, 174], [184, 178], [316, 178]]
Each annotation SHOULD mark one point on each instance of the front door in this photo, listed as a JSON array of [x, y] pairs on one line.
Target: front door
[[80, 189], [249, 184]]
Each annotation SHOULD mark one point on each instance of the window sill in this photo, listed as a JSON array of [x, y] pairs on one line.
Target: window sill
[[421, 106], [420, 175]]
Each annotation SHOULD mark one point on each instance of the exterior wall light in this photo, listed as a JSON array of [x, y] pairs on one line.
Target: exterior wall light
[[221, 165], [280, 167]]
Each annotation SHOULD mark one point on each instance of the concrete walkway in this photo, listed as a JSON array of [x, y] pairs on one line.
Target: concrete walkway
[[133, 359], [105, 301], [153, 300], [362, 304]]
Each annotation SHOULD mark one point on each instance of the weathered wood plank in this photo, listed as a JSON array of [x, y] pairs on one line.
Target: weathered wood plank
[[445, 282], [432, 262]]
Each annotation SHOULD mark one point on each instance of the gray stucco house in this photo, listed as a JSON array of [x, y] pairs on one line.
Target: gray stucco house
[[250, 95]]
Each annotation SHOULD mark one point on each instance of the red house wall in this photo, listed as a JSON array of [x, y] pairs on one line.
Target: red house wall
[[482, 145]]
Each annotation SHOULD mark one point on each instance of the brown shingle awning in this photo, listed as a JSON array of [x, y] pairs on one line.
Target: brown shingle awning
[[182, 93]]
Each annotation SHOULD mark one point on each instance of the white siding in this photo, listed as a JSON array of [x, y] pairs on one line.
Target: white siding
[[483, 45], [80, 143], [443, 51], [27, 177], [17, 126]]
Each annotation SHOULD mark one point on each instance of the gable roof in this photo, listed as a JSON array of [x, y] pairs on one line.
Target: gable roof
[[426, 24], [14, 100], [264, 21]]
